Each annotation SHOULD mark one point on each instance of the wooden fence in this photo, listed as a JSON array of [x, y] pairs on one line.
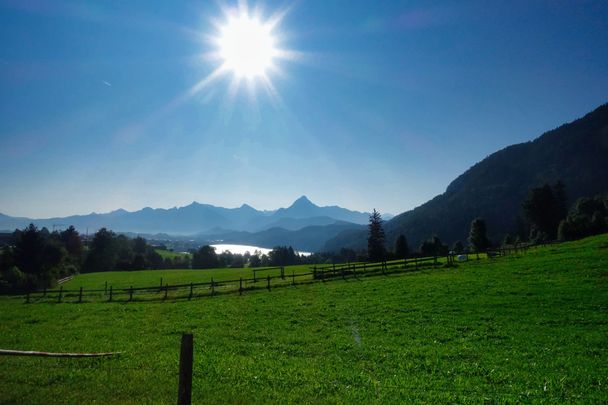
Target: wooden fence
[[241, 285]]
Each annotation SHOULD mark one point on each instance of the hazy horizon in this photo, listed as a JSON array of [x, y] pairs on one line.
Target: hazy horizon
[[107, 106], [192, 202]]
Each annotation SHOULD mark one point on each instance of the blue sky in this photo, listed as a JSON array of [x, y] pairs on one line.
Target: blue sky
[[387, 103]]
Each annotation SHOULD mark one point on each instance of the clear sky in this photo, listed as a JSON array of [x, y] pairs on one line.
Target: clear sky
[[385, 103]]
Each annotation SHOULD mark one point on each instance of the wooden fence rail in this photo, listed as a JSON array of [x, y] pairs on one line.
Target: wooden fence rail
[[241, 285], [4, 352]]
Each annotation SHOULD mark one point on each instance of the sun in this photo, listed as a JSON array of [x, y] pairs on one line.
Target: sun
[[246, 46]]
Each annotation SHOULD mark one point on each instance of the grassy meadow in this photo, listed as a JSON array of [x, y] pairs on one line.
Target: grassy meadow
[[168, 254], [531, 327]]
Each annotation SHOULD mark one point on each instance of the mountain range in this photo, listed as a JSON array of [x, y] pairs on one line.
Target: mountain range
[[575, 153], [303, 224]]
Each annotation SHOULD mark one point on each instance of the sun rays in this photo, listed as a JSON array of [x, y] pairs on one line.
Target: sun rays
[[246, 48]]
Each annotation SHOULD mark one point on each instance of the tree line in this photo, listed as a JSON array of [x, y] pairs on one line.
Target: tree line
[[547, 218], [207, 258], [37, 258]]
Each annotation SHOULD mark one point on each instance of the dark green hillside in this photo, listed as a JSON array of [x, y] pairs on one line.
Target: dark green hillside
[[576, 153]]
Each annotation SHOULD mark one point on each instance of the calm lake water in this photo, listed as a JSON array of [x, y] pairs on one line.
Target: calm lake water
[[241, 249]]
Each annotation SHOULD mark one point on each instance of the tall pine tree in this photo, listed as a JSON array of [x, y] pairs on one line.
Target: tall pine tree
[[375, 242]]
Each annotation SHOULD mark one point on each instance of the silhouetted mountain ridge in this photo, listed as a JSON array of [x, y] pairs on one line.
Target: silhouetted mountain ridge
[[197, 218]]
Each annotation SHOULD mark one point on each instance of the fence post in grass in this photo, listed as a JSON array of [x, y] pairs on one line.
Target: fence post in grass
[[110, 294], [80, 295], [191, 290], [282, 273], [184, 393], [254, 279], [161, 283], [342, 271], [241, 286], [60, 293], [166, 291], [268, 279], [314, 273], [212, 287], [131, 293]]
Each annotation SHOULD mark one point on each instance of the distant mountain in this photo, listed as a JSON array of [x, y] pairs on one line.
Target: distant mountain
[[293, 224], [575, 153], [308, 239], [201, 219], [304, 208]]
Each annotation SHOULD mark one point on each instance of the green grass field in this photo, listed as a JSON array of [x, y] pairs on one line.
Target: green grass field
[[523, 328], [152, 277], [167, 254]]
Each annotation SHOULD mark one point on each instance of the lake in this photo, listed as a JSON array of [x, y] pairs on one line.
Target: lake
[[241, 249]]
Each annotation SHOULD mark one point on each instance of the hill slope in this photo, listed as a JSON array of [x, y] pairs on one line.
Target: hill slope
[[576, 153]]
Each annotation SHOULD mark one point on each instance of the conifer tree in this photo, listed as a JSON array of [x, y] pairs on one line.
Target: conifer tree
[[375, 241], [478, 237], [401, 247]]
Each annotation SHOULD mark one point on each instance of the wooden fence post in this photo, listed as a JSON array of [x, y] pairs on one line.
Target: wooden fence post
[[268, 278], [60, 293], [191, 290], [161, 282], [166, 291], [80, 296], [282, 273], [110, 294], [254, 279], [131, 293], [212, 287], [184, 393], [241, 286]]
